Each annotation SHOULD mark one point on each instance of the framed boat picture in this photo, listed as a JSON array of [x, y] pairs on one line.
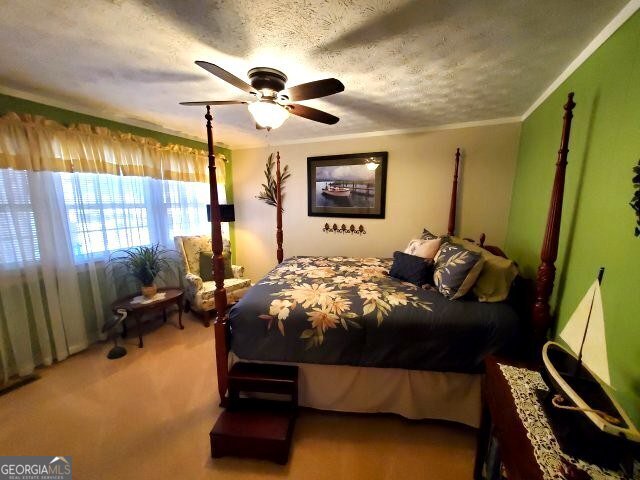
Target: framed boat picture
[[351, 185]]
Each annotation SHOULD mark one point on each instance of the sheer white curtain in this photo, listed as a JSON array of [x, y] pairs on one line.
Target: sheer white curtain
[[56, 231], [41, 314], [59, 226], [108, 212]]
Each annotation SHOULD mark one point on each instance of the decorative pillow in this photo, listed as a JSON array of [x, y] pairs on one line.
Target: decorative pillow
[[456, 270], [424, 248], [410, 268], [206, 273], [427, 235], [497, 274]]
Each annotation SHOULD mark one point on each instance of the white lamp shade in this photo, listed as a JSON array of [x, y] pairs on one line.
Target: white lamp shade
[[372, 166], [268, 114]]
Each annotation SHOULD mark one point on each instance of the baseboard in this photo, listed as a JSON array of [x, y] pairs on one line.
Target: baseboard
[[17, 382]]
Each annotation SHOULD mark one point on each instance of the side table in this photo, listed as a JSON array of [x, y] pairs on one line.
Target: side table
[[514, 417], [137, 309]]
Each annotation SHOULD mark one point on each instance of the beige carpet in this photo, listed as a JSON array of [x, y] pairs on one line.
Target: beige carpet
[[148, 415]]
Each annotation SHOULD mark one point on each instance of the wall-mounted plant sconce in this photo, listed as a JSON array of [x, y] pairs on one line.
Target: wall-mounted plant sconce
[[635, 201], [352, 230]]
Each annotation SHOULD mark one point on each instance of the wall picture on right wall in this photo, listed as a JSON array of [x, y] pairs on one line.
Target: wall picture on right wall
[[351, 185]]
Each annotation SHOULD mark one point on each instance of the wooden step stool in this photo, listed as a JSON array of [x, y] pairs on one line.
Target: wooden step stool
[[257, 428]]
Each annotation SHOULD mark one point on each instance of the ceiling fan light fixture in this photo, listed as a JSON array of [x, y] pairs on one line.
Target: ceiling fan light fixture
[[273, 102], [268, 114]]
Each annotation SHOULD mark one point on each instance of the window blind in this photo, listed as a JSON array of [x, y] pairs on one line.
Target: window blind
[[18, 235]]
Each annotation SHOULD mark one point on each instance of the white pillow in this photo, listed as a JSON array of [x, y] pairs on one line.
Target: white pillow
[[423, 248]]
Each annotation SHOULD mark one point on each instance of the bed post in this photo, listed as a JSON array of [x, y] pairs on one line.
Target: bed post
[[454, 198], [541, 315], [220, 294], [279, 252]]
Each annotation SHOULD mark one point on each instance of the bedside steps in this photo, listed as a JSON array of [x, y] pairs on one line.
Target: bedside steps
[[253, 427]]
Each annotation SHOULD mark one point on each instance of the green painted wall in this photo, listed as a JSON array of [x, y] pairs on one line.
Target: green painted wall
[[67, 117], [598, 223]]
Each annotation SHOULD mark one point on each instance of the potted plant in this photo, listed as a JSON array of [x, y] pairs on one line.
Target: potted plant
[[144, 263]]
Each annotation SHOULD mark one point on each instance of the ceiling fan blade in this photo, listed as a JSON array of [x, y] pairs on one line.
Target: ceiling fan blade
[[259, 127], [226, 76], [312, 113], [317, 89], [215, 102]]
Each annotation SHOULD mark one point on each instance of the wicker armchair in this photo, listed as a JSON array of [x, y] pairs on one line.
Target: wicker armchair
[[198, 293]]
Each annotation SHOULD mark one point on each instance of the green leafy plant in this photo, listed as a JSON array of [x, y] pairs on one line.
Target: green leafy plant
[[144, 263], [635, 201], [268, 193]]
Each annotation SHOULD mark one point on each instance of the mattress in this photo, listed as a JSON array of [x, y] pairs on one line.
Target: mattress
[[348, 311]]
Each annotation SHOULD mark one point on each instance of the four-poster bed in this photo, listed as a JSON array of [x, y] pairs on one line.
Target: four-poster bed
[[220, 295], [441, 394], [453, 208]]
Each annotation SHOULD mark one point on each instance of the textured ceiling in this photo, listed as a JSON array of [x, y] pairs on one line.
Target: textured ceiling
[[405, 63]]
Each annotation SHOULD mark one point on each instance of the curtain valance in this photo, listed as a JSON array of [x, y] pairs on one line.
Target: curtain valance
[[34, 143]]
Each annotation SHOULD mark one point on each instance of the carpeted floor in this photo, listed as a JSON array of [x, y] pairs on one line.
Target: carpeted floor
[[148, 415]]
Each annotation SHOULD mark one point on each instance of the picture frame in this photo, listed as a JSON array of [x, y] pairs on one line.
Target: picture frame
[[350, 185]]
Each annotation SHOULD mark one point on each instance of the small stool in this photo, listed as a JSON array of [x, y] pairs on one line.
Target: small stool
[[263, 378], [257, 428]]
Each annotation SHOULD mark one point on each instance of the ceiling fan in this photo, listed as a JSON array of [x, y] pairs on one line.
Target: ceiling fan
[[273, 102]]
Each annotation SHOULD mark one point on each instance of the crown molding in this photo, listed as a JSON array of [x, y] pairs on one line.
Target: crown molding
[[384, 133], [623, 15]]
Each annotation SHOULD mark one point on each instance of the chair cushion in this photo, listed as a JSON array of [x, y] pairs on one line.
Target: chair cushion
[[204, 298], [230, 284], [193, 245], [206, 272]]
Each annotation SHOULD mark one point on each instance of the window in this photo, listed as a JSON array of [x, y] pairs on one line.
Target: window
[[18, 236], [104, 213], [185, 204]]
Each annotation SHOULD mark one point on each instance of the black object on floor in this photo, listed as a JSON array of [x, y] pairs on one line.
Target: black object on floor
[[117, 351], [257, 428], [110, 325]]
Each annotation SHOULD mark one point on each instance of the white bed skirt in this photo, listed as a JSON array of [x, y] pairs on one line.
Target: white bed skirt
[[414, 394]]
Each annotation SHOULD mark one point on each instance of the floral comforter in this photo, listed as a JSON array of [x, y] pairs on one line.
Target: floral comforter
[[339, 310]]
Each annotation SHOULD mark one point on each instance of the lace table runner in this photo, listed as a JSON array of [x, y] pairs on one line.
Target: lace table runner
[[524, 383], [144, 300]]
